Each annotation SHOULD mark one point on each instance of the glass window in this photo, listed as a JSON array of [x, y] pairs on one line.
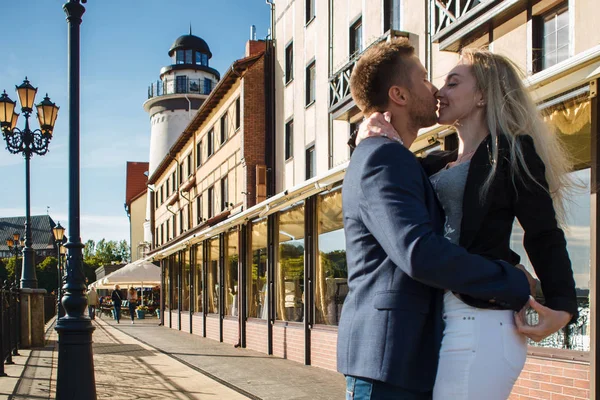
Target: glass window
[[310, 83], [179, 57], [238, 113], [174, 261], [289, 62], [290, 266], [188, 57], [168, 279], [331, 272], [224, 128], [198, 58], [257, 275], [310, 162], [211, 201], [555, 37], [289, 139], [199, 213], [205, 59], [231, 273], [181, 84], [212, 283], [174, 181], [185, 281], [310, 10], [198, 154], [356, 45], [189, 164], [224, 193], [391, 15], [207, 86], [210, 137], [198, 278]]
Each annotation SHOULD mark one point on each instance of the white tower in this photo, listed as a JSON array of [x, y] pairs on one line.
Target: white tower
[[173, 99]]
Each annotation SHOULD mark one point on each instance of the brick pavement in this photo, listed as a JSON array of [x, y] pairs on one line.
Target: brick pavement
[[258, 375]]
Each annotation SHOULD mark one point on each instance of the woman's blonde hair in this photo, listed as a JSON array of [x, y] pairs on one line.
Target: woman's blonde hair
[[511, 111]]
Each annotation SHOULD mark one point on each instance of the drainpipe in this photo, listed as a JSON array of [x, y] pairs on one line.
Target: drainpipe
[[329, 72]]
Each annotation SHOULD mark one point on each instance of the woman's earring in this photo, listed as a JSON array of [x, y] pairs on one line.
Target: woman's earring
[[481, 104]]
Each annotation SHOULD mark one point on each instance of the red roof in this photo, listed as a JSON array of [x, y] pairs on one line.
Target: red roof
[[136, 180]]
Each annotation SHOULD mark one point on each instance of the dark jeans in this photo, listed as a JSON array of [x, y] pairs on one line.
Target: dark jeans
[[92, 312], [368, 389], [117, 312], [132, 306]]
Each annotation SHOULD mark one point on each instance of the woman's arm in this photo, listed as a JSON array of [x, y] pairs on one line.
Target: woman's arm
[[544, 241]]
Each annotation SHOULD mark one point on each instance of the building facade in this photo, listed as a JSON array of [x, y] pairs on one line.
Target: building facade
[[289, 264], [136, 199]]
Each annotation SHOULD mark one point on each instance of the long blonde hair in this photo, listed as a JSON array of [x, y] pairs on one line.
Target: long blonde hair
[[510, 111]]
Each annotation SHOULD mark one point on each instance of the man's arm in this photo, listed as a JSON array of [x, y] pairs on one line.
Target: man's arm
[[395, 212]]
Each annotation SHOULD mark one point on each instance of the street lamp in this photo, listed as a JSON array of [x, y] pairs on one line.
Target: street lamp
[[15, 246], [59, 233], [75, 378], [28, 143]]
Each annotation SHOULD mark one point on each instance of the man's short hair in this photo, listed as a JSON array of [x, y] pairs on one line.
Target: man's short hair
[[380, 67]]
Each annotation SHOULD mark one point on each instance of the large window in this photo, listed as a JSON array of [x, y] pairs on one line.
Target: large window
[[310, 83], [356, 43], [551, 38], [212, 283], [231, 273], [289, 139], [257, 275], [185, 281], [289, 62], [331, 271], [391, 15], [290, 265], [175, 281], [198, 278]]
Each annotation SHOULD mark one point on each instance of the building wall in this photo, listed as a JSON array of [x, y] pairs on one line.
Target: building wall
[[137, 217]]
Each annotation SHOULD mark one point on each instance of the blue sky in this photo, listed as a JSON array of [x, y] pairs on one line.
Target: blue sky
[[123, 46]]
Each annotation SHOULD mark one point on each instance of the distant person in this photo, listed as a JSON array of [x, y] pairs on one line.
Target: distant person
[[117, 299], [92, 302], [132, 298]]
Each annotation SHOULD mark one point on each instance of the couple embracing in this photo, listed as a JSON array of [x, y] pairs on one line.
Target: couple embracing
[[436, 298]]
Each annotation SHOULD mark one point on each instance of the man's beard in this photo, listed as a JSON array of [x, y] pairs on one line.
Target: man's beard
[[424, 115]]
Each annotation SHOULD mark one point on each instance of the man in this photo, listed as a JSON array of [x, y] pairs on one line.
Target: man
[[92, 302], [390, 330]]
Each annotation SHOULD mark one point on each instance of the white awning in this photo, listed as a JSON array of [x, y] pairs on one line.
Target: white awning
[[136, 274]]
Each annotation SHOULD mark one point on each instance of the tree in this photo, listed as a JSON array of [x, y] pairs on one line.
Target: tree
[[47, 274]]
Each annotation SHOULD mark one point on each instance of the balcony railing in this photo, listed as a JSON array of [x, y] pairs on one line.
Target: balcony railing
[[180, 85]]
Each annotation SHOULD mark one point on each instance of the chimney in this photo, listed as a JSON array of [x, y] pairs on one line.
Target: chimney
[[254, 47]]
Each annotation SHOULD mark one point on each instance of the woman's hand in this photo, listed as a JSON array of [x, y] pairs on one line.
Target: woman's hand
[[549, 321], [377, 124]]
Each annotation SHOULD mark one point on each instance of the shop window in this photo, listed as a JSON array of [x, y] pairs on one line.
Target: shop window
[[174, 262], [198, 278], [331, 270], [167, 275], [289, 272], [185, 281], [231, 273], [257, 292], [212, 283]]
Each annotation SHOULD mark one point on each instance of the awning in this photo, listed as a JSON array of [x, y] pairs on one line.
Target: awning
[[136, 274]]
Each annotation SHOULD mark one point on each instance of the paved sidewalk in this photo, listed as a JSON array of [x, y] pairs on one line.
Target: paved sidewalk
[[257, 375]]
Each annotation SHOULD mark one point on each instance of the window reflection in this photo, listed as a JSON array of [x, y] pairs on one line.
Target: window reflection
[[290, 266], [212, 284], [257, 275], [331, 275], [231, 274], [198, 279]]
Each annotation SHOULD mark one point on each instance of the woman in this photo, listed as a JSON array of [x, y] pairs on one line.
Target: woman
[[132, 299], [507, 165], [117, 300]]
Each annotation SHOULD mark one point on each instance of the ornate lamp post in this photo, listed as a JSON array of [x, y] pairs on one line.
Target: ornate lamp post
[[75, 379], [59, 233], [15, 246], [27, 142]]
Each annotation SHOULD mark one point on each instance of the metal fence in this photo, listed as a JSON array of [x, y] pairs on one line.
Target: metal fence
[[9, 324]]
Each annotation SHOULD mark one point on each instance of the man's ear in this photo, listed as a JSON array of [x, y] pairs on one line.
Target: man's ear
[[398, 95]]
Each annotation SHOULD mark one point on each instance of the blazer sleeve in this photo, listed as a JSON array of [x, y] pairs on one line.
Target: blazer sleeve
[[544, 241], [395, 211]]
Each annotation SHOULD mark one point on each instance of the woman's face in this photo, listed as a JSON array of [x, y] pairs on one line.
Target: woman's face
[[459, 97]]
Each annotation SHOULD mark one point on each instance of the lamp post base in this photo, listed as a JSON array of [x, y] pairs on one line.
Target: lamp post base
[[77, 381]]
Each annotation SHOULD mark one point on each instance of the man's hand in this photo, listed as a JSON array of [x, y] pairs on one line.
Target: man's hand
[[377, 124], [532, 281], [549, 321]]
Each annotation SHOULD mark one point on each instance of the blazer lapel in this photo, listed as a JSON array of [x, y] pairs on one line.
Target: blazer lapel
[[474, 210]]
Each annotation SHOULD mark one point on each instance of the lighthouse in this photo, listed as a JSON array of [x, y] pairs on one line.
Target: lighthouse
[[173, 99]]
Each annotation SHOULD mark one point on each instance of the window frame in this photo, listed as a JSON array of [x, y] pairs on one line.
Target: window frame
[[224, 134], [289, 62], [289, 140], [355, 27], [311, 86], [224, 193], [310, 149], [210, 142], [238, 113], [309, 11]]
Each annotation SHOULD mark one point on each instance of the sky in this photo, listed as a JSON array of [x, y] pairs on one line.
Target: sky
[[123, 46]]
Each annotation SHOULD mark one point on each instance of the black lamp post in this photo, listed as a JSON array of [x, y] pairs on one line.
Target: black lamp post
[[59, 233], [15, 246], [27, 142], [75, 378]]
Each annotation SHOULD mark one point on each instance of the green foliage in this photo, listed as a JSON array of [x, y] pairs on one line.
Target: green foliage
[[47, 274], [334, 264]]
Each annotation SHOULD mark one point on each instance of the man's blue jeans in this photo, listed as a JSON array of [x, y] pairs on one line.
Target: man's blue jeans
[[368, 389], [92, 312]]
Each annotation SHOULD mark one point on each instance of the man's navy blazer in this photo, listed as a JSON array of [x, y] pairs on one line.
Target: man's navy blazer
[[398, 263]]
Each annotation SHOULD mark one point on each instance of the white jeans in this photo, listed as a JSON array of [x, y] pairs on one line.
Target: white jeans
[[482, 353]]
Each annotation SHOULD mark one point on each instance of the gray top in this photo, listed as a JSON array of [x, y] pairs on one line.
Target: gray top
[[449, 185]]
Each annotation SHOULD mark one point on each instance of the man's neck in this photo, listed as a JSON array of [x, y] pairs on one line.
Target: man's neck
[[407, 133]]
